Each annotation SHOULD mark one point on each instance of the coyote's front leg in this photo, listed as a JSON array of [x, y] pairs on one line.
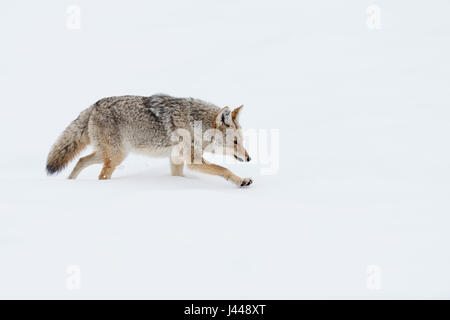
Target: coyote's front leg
[[216, 170], [176, 167]]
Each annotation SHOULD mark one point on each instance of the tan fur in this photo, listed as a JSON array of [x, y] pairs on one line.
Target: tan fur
[[112, 158], [69, 144], [85, 162], [214, 169], [176, 168], [235, 113], [61, 157], [116, 126]]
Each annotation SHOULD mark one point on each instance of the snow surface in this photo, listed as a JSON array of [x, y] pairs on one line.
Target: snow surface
[[363, 180]]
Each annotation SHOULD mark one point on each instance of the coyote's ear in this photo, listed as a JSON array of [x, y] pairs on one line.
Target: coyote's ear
[[223, 118], [235, 113]]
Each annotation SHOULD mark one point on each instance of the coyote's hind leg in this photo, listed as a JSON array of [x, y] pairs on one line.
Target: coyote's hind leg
[[85, 162], [110, 161]]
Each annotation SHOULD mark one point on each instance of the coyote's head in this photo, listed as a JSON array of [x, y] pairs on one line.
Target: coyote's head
[[227, 122]]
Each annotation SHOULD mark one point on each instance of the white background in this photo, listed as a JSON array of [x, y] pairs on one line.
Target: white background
[[364, 158]]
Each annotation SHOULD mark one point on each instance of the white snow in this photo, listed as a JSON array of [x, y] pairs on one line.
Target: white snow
[[363, 179]]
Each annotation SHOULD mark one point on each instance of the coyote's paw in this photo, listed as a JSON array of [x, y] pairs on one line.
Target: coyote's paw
[[246, 182]]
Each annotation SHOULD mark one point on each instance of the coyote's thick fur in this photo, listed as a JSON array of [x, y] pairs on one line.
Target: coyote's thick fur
[[116, 126]]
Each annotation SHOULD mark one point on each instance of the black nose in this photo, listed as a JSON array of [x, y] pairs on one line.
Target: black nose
[[248, 158]]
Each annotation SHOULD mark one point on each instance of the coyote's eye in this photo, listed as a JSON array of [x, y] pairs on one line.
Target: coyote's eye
[[235, 141]]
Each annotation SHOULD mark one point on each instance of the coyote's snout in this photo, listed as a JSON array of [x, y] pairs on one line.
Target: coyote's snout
[[117, 126]]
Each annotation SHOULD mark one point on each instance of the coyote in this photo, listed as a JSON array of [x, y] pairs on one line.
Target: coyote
[[116, 126]]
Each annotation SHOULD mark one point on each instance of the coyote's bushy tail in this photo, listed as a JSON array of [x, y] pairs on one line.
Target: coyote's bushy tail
[[73, 139]]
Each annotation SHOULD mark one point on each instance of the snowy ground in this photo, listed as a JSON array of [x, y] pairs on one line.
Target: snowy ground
[[359, 207]]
